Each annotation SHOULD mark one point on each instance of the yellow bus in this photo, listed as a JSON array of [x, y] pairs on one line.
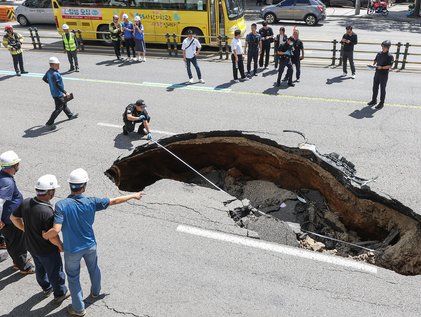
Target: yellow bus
[[208, 18]]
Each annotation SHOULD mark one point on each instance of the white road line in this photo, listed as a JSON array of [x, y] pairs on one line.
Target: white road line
[[268, 246], [109, 125]]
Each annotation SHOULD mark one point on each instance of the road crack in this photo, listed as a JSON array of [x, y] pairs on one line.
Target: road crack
[[122, 312]]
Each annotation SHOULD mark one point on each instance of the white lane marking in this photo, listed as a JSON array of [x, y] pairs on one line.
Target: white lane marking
[[109, 125], [268, 246]]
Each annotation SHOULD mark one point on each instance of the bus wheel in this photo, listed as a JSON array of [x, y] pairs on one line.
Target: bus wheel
[[104, 37], [196, 31]]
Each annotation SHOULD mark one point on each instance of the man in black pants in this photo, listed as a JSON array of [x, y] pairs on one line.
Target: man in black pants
[[115, 34], [280, 39], [253, 45], [383, 62], [237, 56], [13, 42], [297, 54], [348, 41], [285, 53], [266, 34], [135, 113]]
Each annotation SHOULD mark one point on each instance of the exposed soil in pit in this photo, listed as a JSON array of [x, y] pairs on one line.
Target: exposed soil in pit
[[310, 191]]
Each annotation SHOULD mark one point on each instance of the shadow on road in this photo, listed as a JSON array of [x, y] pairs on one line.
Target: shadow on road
[[124, 142], [180, 85], [275, 89], [336, 80], [270, 72], [226, 85], [364, 113], [8, 276], [39, 130], [6, 77], [110, 62]]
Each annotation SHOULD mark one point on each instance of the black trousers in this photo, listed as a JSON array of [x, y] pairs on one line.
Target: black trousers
[[129, 44], [252, 55], [264, 54], [18, 62], [72, 57], [130, 126], [380, 80], [16, 248], [348, 56], [238, 66], [297, 63], [285, 62], [61, 105], [49, 273], [117, 45]]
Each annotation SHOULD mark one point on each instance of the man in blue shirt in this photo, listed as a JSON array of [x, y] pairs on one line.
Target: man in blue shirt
[[10, 200], [129, 43], [55, 81], [253, 46], [74, 217]]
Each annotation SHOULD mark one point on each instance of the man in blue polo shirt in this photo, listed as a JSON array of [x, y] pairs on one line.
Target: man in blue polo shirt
[[74, 217], [10, 200]]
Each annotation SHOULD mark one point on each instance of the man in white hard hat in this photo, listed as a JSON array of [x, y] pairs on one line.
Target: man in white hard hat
[[53, 78], [10, 200], [70, 45], [34, 216], [74, 217]]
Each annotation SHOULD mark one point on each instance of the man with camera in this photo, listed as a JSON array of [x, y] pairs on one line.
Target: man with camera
[[13, 42], [136, 113]]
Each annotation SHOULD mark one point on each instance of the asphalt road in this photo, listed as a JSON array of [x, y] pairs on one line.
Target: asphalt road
[[151, 269]]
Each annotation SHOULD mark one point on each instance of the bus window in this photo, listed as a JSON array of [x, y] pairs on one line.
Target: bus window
[[235, 9]]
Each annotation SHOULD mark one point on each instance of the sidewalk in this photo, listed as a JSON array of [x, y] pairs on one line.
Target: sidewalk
[[397, 12]]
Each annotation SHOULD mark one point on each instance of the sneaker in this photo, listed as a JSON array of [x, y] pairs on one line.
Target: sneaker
[[191, 81], [285, 79], [17, 73], [24, 72], [73, 312], [27, 272], [125, 132], [344, 74], [298, 80], [92, 296], [291, 84], [255, 74], [144, 59], [48, 292], [60, 299], [201, 81], [379, 106], [278, 84], [244, 79], [74, 116], [71, 69], [51, 126], [372, 103], [235, 81], [353, 76], [77, 70]]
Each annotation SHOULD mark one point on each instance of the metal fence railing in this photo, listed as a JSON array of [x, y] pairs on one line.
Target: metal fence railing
[[405, 54]]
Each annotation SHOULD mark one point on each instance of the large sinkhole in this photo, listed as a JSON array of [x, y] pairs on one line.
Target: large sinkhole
[[316, 197]]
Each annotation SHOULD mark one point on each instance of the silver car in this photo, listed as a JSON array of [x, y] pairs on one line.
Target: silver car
[[309, 11], [34, 11]]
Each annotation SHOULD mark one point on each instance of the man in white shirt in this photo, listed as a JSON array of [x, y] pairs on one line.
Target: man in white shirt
[[237, 56], [191, 49]]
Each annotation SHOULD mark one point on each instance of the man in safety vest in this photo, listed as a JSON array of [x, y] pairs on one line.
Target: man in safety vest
[[70, 45], [13, 42]]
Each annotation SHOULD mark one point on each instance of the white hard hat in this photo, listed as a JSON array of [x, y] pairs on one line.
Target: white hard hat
[[8, 159], [65, 26], [137, 18], [46, 182], [78, 176], [53, 60], [125, 16]]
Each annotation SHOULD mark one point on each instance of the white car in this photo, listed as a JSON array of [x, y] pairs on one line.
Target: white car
[[34, 11]]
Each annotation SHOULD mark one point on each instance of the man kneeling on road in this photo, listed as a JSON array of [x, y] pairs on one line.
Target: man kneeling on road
[[34, 216], [137, 113], [74, 216]]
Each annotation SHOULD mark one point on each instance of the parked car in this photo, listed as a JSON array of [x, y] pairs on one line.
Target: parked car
[[35, 11], [344, 3], [309, 11]]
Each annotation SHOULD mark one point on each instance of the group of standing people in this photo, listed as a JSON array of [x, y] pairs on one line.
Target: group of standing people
[[130, 35], [31, 227]]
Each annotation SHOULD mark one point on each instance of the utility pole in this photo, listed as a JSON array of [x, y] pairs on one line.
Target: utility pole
[[358, 7]]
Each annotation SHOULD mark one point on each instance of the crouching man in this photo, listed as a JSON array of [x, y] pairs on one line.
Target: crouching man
[[136, 113]]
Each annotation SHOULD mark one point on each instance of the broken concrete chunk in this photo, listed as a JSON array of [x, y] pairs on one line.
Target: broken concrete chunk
[[264, 194]]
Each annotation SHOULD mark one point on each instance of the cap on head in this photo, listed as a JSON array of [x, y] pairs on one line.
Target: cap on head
[[137, 18], [78, 178], [46, 182], [140, 103], [65, 26], [9, 159], [348, 27], [386, 43], [125, 16], [190, 32], [53, 60]]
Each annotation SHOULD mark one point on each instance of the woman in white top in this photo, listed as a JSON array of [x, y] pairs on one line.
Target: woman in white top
[[237, 56]]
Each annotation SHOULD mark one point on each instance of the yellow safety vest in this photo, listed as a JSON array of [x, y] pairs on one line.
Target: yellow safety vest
[[7, 41], [69, 44]]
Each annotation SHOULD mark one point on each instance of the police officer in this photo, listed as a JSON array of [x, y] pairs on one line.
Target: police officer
[[13, 42], [53, 78], [253, 45], [70, 45], [285, 53], [266, 34], [349, 39], [135, 113], [280, 39], [115, 34], [383, 63], [297, 54]]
